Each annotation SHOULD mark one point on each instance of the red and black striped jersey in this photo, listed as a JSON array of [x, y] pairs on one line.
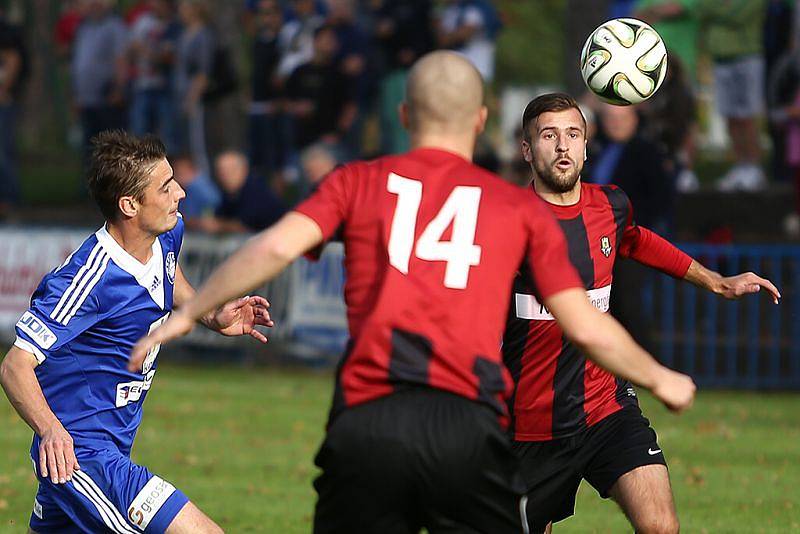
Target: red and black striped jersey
[[432, 245], [559, 392]]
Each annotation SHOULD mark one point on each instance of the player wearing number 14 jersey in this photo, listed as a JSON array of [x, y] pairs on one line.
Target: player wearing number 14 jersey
[[67, 373], [432, 242]]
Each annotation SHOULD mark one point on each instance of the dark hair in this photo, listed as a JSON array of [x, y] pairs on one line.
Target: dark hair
[[120, 166], [543, 104]]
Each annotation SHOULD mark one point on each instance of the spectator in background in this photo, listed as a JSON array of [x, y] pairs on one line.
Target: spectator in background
[[351, 60], [470, 28], [733, 34], [154, 38], [247, 203], [317, 161], [669, 120], [777, 43], [13, 71], [318, 96], [403, 34], [266, 121], [297, 36], [677, 25], [783, 99], [135, 11], [637, 166], [99, 71], [202, 195], [621, 9], [67, 26], [584, 17], [193, 63]]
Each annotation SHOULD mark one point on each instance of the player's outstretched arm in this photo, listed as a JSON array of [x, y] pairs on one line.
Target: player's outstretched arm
[[649, 248], [56, 454], [262, 258], [606, 342], [730, 287]]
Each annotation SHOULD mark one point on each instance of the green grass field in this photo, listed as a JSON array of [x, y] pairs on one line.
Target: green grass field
[[240, 443]]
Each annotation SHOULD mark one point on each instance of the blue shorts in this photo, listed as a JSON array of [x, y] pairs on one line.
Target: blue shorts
[[109, 494]]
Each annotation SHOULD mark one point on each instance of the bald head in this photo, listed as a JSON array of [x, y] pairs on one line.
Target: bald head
[[444, 93]]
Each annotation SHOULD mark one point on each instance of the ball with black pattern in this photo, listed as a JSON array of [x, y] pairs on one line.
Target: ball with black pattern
[[624, 61]]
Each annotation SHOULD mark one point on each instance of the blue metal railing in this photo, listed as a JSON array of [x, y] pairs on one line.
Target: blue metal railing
[[749, 343]]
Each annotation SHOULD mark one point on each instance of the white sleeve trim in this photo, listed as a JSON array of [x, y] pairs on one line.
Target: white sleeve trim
[[30, 347]]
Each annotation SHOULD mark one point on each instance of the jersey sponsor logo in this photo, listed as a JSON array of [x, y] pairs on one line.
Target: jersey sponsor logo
[[149, 501], [605, 246], [128, 392], [530, 308], [652, 452], [35, 327], [169, 266]]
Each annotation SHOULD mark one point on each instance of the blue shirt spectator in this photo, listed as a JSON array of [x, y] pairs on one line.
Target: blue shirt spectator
[[202, 195], [99, 54], [247, 202]]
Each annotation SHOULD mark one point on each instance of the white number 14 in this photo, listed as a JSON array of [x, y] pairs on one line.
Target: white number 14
[[460, 209]]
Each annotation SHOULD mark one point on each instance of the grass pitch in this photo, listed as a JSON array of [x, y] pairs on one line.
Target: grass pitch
[[240, 443]]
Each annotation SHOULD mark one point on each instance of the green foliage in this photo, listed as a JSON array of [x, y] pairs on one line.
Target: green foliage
[[241, 443], [530, 49]]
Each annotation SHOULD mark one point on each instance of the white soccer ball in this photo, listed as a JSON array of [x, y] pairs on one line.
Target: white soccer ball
[[624, 61]]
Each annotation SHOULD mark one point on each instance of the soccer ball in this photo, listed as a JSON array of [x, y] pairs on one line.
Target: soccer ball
[[624, 61]]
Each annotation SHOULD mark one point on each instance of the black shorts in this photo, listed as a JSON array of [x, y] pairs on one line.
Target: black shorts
[[601, 454], [418, 458]]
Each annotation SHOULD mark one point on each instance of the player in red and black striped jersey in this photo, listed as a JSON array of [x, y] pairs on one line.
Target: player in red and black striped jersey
[[432, 243], [572, 419]]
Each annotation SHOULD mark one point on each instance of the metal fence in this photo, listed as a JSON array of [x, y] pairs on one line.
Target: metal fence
[[749, 343]]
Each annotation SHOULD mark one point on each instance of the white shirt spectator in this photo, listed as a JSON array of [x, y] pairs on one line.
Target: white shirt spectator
[[296, 40]]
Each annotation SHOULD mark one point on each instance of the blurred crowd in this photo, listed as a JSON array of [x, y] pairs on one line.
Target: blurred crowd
[[323, 82], [748, 52], [320, 81]]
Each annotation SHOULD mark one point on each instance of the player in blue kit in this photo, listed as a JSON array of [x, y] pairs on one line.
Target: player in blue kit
[[66, 374]]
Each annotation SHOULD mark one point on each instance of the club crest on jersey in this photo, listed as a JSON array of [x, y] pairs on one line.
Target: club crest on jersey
[[169, 266], [605, 246]]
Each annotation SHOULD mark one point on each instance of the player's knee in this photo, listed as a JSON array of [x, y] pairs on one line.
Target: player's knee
[[664, 523]]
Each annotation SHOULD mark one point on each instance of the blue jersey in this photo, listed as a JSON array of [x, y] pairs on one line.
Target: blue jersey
[[83, 321]]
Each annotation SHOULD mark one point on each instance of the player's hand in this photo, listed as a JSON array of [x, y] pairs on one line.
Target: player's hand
[[240, 317], [675, 390], [733, 287], [177, 325], [56, 455]]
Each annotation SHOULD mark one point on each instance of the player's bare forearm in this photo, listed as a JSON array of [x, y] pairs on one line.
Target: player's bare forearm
[[704, 278], [56, 453], [602, 338], [261, 259], [257, 262], [606, 342], [24, 392], [183, 292], [730, 287]]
